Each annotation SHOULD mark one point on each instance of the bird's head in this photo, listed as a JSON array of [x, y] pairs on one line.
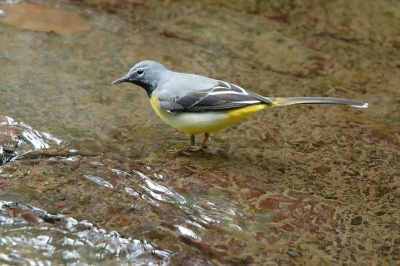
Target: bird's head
[[145, 74]]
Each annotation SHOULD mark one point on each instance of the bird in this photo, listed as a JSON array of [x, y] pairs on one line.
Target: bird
[[196, 104]]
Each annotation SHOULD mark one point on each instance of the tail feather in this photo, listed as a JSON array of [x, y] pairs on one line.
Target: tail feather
[[283, 101]]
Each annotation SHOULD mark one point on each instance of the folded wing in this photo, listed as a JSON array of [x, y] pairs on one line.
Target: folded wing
[[223, 96]]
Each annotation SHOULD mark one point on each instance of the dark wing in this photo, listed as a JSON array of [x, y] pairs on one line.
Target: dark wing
[[223, 96]]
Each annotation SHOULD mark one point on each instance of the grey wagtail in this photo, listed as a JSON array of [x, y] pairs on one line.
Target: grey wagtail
[[196, 104]]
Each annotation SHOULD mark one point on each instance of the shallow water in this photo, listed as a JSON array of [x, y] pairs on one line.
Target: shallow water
[[85, 175]]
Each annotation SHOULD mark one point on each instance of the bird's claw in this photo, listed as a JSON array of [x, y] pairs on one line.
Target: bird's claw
[[187, 150]]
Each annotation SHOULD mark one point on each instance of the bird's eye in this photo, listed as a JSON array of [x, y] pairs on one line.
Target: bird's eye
[[140, 71]]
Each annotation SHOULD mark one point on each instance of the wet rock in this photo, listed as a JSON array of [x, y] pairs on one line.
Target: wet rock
[[40, 18], [322, 170], [18, 140], [293, 254], [280, 54], [358, 220], [380, 213]]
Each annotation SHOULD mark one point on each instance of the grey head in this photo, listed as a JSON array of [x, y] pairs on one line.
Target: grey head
[[146, 74]]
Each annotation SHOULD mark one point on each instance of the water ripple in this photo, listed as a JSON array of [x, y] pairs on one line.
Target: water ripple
[[154, 193], [187, 232], [98, 180], [19, 139], [67, 241], [9, 2]]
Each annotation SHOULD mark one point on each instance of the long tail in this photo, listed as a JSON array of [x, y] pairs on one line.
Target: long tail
[[283, 101]]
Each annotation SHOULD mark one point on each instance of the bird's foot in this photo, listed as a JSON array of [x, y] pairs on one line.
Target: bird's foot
[[198, 148], [193, 147], [178, 151], [188, 150]]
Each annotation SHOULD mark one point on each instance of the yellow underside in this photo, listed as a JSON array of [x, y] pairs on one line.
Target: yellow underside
[[197, 123]]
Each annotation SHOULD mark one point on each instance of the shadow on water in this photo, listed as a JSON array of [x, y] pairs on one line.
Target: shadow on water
[[84, 175]]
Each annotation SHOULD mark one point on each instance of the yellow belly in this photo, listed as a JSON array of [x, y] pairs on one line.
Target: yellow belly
[[211, 121]]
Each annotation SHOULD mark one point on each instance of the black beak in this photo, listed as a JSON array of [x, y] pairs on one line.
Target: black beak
[[123, 79]]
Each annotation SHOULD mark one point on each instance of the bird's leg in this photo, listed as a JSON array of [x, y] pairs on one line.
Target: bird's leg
[[206, 138], [193, 146], [192, 141], [185, 149], [203, 145]]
